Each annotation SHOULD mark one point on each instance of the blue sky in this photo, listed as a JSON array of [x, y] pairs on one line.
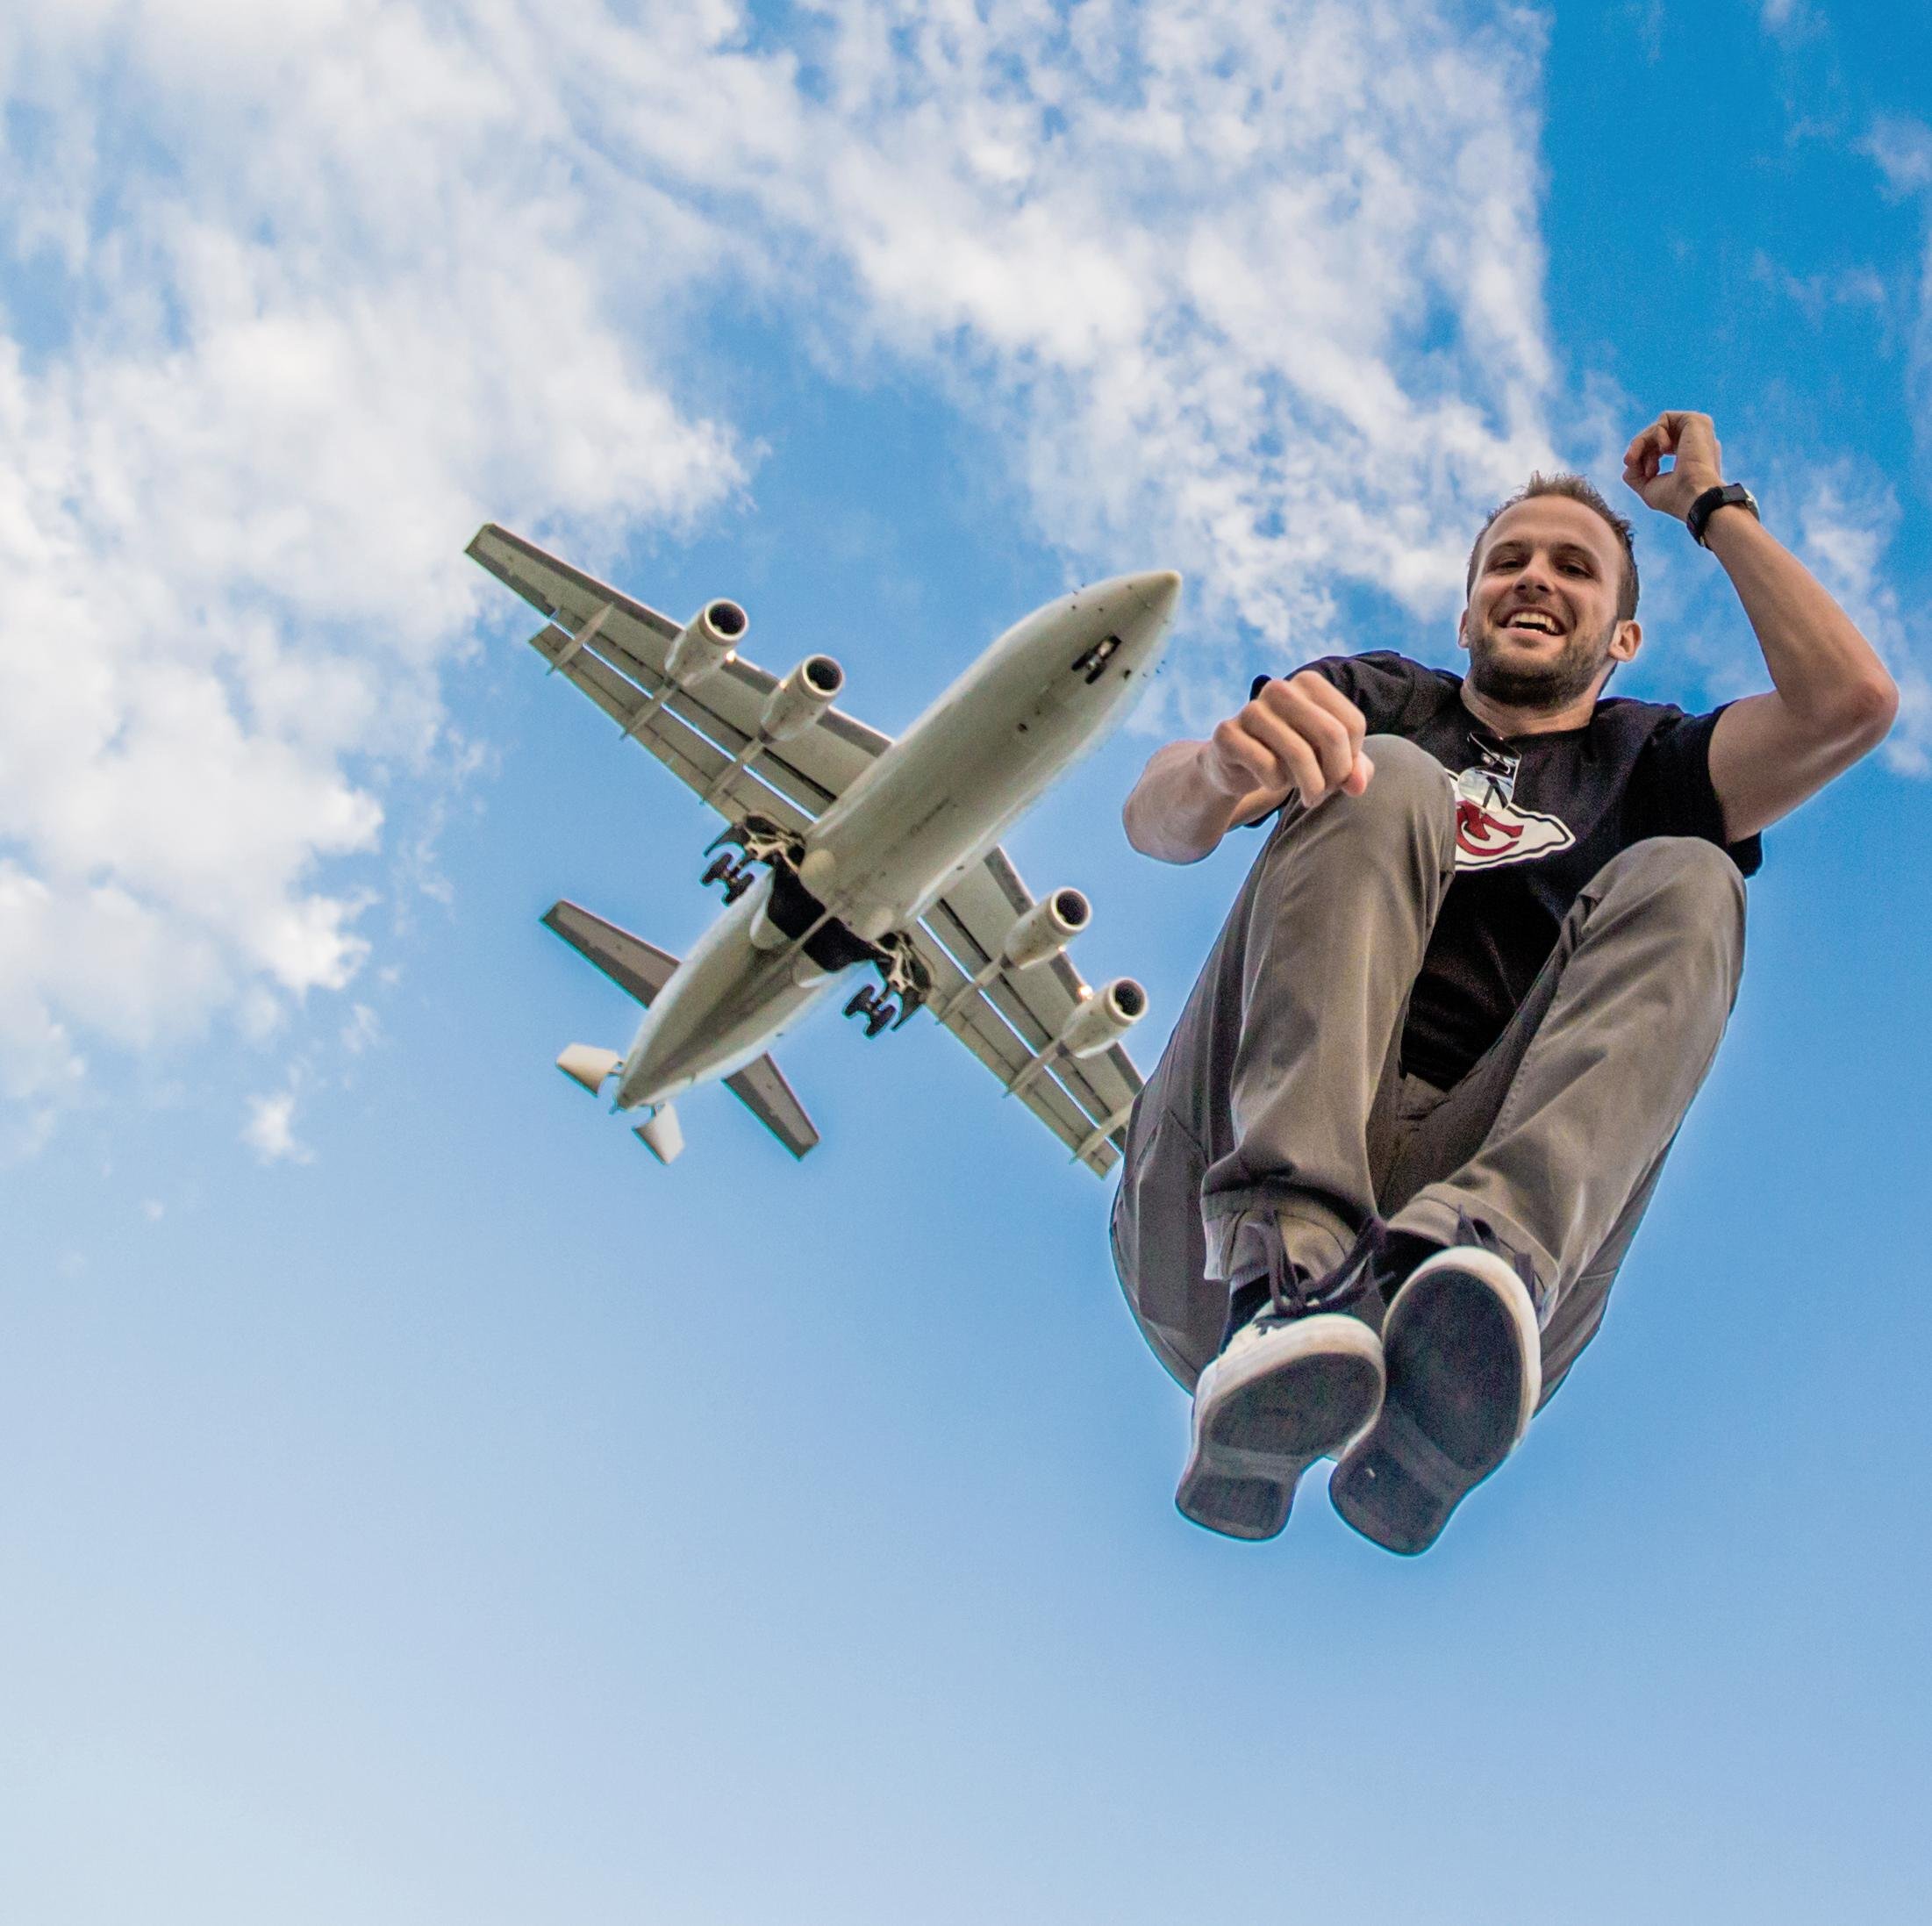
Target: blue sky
[[414, 1504]]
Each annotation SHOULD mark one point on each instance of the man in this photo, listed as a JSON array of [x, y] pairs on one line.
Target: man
[[1377, 1189]]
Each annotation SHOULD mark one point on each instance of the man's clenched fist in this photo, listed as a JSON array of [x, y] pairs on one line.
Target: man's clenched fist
[[1301, 734], [1691, 441]]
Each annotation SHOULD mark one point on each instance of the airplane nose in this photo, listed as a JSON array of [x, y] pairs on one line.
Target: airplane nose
[[1154, 593], [1157, 590]]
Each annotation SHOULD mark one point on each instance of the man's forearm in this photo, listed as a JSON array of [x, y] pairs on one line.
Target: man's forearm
[[1173, 812], [1824, 670]]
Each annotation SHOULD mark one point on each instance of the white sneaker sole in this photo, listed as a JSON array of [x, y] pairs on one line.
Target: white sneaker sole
[[1465, 1366], [1267, 1409]]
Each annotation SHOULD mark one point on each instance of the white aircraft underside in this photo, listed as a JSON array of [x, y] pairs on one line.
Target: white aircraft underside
[[875, 854]]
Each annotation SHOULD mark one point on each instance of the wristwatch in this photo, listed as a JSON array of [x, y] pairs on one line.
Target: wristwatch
[[1730, 495]]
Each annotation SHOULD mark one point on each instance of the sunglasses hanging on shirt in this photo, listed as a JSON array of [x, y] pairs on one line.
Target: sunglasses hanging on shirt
[[1494, 778]]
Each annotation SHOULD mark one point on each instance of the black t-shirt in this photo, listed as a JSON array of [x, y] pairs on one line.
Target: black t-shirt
[[1537, 816]]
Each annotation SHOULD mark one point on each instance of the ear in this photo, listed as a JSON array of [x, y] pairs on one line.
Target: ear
[[1625, 640], [1461, 627]]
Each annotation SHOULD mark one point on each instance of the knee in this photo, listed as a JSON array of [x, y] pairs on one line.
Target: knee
[[1688, 881], [1409, 783]]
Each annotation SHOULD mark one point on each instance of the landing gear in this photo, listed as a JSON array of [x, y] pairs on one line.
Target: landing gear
[[735, 872], [753, 841], [880, 1013]]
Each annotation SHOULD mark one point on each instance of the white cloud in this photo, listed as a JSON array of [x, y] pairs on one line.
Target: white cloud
[[270, 1130], [1254, 291], [1846, 524], [362, 1031], [344, 301], [1902, 148]]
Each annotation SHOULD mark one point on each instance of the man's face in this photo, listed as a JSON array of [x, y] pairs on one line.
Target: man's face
[[1541, 621]]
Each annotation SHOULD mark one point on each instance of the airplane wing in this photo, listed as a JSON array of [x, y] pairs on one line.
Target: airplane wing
[[698, 733], [1083, 1102]]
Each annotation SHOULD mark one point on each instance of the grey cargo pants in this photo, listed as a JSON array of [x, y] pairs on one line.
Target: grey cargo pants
[[1281, 1087]]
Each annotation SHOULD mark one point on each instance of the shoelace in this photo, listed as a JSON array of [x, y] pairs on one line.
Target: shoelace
[[1473, 1230], [1291, 1294]]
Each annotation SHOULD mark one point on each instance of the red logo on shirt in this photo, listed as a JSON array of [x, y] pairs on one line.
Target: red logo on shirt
[[1491, 831]]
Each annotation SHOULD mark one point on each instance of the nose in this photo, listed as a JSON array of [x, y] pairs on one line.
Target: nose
[[1534, 577]]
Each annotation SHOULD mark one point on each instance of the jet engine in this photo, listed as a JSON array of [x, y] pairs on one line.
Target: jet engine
[[1102, 1020], [801, 698], [706, 643], [1046, 929]]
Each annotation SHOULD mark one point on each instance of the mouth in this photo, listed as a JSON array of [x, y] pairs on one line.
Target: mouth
[[1530, 622]]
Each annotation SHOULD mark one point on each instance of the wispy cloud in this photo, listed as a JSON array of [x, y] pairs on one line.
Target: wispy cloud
[[1254, 291], [270, 1130], [315, 289], [1786, 19], [1902, 149], [1846, 524]]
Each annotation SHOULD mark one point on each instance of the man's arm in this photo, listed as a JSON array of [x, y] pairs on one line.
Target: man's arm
[[1302, 735], [1832, 701]]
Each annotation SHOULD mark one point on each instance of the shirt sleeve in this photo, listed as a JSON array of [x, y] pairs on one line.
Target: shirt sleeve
[[1672, 793]]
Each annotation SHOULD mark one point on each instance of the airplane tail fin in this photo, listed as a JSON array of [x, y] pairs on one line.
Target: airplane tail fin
[[641, 970]]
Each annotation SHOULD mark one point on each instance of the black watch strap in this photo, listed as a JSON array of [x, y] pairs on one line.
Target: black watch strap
[[1728, 495]]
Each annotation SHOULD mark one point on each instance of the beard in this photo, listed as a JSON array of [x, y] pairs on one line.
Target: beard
[[1549, 685]]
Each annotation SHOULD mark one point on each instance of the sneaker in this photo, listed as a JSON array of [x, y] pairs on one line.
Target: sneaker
[[1295, 1382], [1464, 1359]]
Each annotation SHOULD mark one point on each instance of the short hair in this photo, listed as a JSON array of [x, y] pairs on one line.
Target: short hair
[[1575, 488]]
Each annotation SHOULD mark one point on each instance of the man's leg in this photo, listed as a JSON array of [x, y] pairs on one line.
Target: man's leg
[[1554, 1143], [1264, 1096]]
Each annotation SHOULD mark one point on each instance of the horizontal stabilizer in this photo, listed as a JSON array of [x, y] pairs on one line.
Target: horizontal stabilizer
[[585, 1064], [633, 965], [762, 1089]]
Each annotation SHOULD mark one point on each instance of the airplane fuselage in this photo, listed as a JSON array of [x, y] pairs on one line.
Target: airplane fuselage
[[922, 814]]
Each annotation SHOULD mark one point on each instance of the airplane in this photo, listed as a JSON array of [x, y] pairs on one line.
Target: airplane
[[875, 854]]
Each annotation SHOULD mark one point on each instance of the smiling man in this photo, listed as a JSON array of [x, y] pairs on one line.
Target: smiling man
[[1378, 1187]]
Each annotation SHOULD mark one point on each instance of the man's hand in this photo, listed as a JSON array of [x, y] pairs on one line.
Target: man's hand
[[1698, 463], [1301, 734]]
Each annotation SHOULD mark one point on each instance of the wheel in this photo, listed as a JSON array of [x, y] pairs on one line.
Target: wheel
[[880, 1019], [864, 1003], [720, 868], [736, 883]]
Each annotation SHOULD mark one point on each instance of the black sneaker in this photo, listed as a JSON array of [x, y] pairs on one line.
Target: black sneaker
[[1294, 1383], [1462, 1352]]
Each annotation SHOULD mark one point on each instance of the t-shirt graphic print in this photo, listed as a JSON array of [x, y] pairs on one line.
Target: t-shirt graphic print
[[1491, 830]]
